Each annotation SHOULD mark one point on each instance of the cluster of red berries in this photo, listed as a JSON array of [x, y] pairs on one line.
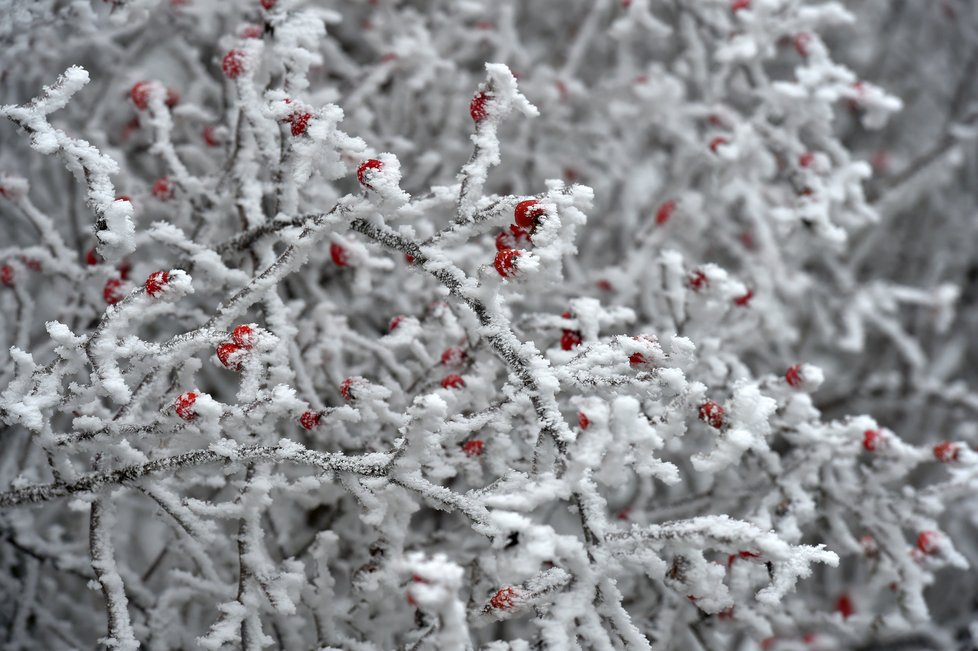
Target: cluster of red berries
[[339, 255], [527, 215], [243, 338]]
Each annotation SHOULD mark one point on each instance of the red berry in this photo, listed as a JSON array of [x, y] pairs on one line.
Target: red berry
[[184, 405], [872, 438], [31, 263], [528, 213], [698, 280], [665, 212], [512, 238], [504, 599], [7, 275], [243, 336], [793, 375], [637, 359], [366, 169], [808, 638], [927, 542], [742, 301], [473, 448], [801, 44], [505, 262], [946, 452], [806, 159], [172, 98], [140, 94], [225, 352], [396, 321], [477, 108], [299, 122], [162, 189], [339, 255], [91, 258], [210, 138], [453, 357], [112, 292], [157, 282], [233, 64], [452, 381], [346, 388], [570, 339], [310, 419], [268, 4], [718, 142], [583, 420], [712, 413], [737, 5], [844, 606], [408, 258]]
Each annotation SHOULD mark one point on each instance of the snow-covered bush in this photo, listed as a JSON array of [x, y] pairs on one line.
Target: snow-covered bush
[[490, 324]]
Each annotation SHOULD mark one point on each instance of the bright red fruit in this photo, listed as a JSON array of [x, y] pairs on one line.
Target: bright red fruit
[[698, 280], [738, 5], [512, 238], [504, 599], [233, 64], [7, 275], [453, 357], [91, 257], [184, 405], [225, 352], [112, 292], [139, 94], [665, 212], [396, 321], [299, 122], [583, 420], [473, 448], [243, 336], [477, 107], [157, 282], [528, 213], [505, 262], [712, 413], [844, 606], [570, 339], [339, 255], [927, 541], [744, 300], [346, 388], [452, 381], [310, 419], [162, 189], [872, 439], [366, 169], [946, 452], [793, 375]]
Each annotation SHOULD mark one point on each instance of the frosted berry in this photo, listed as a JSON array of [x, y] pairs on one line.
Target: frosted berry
[[244, 336], [512, 238], [698, 280], [453, 357], [366, 169], [570, 339], [637, 359], [162, 189], [793, 375], [339, 255], [299, 121], [665, 212], [477, 107], [504, 599], [872, 439], [843, 605], [7, 275], [157, 282], [184, 405], [718, 142], [310, 419], [267, 5], [946, 452], [227, 353], [346, 388], [528, 213], [738, 5], [210, 136], [744, 300], [927, 542], [233, 64], [452, 381], [396, 321], [473, 448], [583, 420], [139, 94], [505, 262], [113, 292], [712, 413], [91, 258]]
